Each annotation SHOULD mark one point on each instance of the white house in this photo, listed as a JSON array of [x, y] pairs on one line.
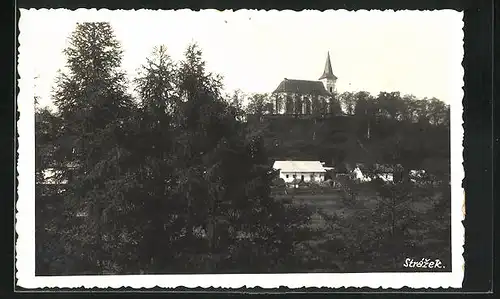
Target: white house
[[417, 175], [358, 175], [50, 177], [306, 171], [384, 172]]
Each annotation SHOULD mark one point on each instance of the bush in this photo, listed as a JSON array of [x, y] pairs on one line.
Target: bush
[[279, 182]]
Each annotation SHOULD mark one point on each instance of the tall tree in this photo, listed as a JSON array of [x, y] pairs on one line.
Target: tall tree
[[94, 108], [155, 128], [224, 177], [205, 123]]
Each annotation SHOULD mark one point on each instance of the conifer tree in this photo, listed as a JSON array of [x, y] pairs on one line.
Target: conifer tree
[[158, 214], [226, 180], [49, 251], [94, 109]]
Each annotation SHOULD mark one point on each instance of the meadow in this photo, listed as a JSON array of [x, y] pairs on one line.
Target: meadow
[[366, 234]]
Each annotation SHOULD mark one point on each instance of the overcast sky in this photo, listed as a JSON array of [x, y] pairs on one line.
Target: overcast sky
[[409, 51]]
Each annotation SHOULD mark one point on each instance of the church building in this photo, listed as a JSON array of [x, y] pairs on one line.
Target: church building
[[303, 97]]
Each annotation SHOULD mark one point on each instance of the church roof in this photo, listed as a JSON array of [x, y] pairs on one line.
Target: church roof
[[302, 87], [328, 73]]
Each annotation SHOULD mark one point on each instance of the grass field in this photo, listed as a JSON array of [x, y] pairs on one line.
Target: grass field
[[356, 240]]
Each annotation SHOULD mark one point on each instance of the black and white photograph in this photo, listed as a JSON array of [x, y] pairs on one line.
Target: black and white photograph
[[240, 148]]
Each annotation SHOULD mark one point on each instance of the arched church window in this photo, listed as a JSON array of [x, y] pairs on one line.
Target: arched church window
[[277, 105], [306, 108], [289, 105], [298, 105], [324, 106], [315, 105]]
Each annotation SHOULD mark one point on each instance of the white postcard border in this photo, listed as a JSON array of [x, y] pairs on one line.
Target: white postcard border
[[25, 217]]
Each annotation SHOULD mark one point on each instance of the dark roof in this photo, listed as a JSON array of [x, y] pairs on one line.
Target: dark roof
[[302, 87], [384, 167], [362, 166], [328, 73]]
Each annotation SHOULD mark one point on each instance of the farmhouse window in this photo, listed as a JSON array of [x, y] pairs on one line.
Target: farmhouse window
[[287, 176]]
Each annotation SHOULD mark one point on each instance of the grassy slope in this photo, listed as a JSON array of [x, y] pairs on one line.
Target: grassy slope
[[358, 238]]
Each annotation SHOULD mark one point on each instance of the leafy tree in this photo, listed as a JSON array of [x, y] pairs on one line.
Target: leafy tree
[[49, 251], [365, 112], [259, 105], [390, 105], [335, 107], [439, 112], [348, 102], [46, 128], [365, 105], [411, 111], [236, 101]]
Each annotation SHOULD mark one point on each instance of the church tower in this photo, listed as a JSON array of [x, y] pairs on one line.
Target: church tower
[[328, 78]]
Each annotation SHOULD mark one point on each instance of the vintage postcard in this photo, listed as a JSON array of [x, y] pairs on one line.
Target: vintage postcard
[[240, 149]]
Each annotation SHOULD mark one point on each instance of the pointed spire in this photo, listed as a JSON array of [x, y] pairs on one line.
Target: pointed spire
[[328, 73]]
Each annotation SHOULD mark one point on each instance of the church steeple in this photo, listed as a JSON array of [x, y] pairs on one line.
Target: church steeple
[[328, 78], [328, 73]]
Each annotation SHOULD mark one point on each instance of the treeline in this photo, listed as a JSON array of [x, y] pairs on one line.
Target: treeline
[[388, 129], [170, 181], [386, 105]]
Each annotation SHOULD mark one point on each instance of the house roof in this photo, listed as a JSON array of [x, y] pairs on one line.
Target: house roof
[[328, 73], [302, 87], [362, 166], [50, 176], [375, 167], [299, 166], [384, 168]]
